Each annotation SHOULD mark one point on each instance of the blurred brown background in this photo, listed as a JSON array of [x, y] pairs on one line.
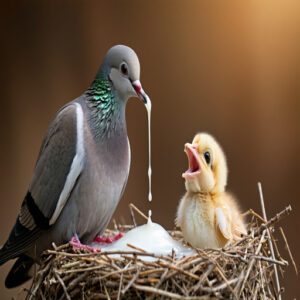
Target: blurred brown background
[[229, 68]]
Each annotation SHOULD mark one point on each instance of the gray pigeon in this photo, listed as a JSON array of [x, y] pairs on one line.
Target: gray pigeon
[[82, 168]]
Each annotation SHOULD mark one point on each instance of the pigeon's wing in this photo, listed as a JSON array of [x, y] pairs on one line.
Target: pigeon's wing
[[223, 223], [60, 163], [129, 161], [58, 167]]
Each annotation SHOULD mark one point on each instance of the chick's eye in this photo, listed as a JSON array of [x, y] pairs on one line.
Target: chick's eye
[[124, 69], [207, 157]]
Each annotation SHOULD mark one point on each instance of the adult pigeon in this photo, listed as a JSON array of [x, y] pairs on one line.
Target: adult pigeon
[[82, 168]]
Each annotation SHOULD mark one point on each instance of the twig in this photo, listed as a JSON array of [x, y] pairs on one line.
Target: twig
[[251, 264], [166, 294], [120, 286], [203, 276], [132, 216], [131, 205], [257, 215], [179, 270], [136, 248], [106, 293], [271, 260], [40, 279], [262, 280], [219, 287], [63, 285], [273, 220], [289, 250], [269, 239], [131, 282]]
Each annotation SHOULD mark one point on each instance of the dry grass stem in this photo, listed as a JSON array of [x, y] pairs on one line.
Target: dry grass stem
[[288, 250], [262, 202]]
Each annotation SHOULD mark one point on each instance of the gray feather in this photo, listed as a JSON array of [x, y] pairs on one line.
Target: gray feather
[[54, 162]]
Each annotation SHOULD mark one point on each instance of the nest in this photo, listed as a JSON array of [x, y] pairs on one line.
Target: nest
[[247, 269]]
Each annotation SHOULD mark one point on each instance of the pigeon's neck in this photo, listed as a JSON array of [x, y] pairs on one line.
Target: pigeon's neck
[[107, 110]]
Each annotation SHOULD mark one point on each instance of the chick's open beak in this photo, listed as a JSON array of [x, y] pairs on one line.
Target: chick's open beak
[[139, 91], [194, 162]]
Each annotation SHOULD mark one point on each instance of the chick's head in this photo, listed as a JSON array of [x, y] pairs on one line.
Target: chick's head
[[207, 171]]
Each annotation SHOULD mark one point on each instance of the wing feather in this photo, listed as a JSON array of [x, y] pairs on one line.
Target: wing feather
[[223, 224], [58, 167]]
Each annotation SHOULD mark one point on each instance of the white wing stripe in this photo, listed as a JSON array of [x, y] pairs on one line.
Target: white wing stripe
[[76, 167]]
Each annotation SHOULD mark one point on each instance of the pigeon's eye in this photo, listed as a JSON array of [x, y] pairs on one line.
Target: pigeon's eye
[[207, 157], [124, 69]]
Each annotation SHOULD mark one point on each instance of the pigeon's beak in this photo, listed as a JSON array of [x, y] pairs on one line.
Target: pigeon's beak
[[140, 92]]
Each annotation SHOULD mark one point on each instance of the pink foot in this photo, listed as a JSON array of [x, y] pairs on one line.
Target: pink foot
[[76, 244], [106, 239]]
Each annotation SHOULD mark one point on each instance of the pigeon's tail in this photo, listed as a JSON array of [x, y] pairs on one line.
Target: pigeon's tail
[[19, 240], [3, 255], [6, 254], [20, 272]]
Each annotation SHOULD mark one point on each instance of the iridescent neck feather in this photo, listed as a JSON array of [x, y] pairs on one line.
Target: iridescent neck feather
[[108, 111]]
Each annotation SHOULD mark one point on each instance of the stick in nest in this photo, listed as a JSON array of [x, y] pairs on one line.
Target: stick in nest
[[262, 202]]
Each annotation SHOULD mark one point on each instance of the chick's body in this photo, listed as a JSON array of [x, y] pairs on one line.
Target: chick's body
[[207, 215], [198, 221]]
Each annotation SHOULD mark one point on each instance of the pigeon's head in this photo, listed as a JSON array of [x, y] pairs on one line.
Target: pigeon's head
[[207, 171], [123, 70]]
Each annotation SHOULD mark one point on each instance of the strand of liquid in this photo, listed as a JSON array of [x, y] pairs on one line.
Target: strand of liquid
[[148, 107], [149, 216]]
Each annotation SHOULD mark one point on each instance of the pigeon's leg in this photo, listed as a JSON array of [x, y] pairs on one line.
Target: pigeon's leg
[[107, 239], [76, 244]]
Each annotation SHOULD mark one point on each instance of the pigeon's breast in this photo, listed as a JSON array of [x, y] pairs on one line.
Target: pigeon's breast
[[101, 185]]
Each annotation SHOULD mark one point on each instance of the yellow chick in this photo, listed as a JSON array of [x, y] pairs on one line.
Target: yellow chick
[[207, 215]]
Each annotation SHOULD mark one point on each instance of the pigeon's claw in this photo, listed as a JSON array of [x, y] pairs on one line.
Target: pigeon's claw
[[107, 239], [77, 245]]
